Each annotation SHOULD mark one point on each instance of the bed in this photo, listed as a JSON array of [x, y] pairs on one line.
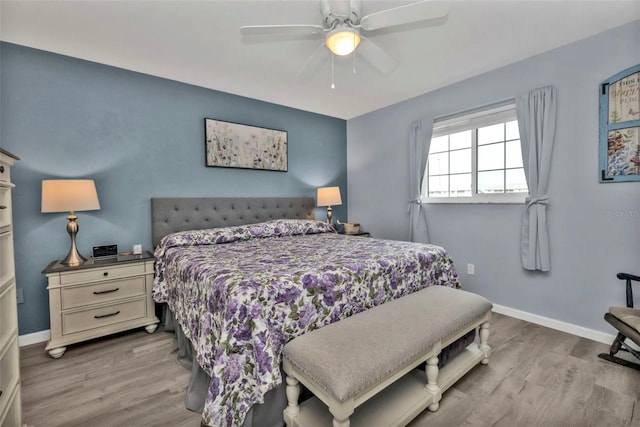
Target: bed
[[241, 277]]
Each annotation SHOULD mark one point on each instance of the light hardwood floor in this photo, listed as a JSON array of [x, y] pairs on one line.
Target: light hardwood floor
[[536, 377]]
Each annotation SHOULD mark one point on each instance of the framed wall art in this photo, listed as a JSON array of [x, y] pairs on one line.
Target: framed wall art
[[620, 127], [233, 145]]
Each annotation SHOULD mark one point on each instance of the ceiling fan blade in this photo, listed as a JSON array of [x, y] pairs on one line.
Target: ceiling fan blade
[[260, 30], [414, 12], [314, 63], [375, 56]]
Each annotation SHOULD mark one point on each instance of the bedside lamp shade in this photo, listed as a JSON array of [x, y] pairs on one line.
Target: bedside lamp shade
[[70, 195], [329, 196]]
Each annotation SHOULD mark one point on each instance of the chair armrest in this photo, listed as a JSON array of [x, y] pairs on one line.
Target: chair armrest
[[629, 277]]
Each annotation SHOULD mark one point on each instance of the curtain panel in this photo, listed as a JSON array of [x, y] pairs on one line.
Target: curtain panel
[[536, 111], [419, 142]]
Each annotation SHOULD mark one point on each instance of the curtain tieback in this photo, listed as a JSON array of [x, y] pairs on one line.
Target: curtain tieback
[[416, 201], [542, 200]]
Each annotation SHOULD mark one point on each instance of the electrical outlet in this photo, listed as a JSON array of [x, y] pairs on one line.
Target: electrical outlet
[[19, 296], [471, 269]]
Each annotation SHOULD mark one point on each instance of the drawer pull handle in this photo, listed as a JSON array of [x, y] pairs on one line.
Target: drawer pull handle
[[3, 207], [1, 169], [105, 274], [106, 292], [102, 316], [0, 392]]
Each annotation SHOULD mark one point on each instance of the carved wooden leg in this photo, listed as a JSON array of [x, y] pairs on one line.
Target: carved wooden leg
[[57, 352], [151, 328], [484, 342], [293, 392], [341, 412], [432, 382]]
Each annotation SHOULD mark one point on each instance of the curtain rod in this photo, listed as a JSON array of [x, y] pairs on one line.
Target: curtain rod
[[474, 110]]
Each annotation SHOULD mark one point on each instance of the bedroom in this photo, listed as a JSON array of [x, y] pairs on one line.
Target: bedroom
[[140, 136]]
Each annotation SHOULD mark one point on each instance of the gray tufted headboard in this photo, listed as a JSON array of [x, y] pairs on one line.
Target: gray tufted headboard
[[169, 215]]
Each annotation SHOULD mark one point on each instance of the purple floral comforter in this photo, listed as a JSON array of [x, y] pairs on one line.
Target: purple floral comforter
[[241, 293]]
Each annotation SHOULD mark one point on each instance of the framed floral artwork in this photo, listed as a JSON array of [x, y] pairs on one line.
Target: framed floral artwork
[[234, 145], [620, 127]]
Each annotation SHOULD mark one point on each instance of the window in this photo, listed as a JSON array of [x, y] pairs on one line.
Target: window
[[476, 158]]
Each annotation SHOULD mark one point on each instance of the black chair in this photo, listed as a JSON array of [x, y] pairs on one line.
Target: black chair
[[627, 321]]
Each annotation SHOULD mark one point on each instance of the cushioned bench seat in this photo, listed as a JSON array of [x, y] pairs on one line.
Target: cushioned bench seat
[[347, 363]]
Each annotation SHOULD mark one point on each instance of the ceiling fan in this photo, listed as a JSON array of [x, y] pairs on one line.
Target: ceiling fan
[[344, 28]]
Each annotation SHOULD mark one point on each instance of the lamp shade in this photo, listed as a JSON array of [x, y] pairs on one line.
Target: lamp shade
[[69, 195], [343, 41], [329, 196]]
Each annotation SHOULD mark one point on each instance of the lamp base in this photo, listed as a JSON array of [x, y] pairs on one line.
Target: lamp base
[[329, 213], [73, 258]]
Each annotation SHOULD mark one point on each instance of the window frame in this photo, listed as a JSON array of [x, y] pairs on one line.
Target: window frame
[[472, 120]]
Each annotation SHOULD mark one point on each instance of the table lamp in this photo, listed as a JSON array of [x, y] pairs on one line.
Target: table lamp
[[329, 196], [70, 195]]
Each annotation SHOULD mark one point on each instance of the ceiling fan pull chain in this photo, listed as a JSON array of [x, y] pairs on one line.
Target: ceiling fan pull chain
[[333, 85], [354, 54]]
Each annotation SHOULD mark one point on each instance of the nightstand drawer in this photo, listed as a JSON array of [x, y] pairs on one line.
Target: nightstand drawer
[[112, 290], [12, 415], [6, 257], [5, 176], [9, 369], [5, 207], [106, 273], [8, 323], [84, 320]]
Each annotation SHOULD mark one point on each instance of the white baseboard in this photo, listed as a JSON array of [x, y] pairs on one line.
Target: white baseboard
[[42, 336], [559, 325], [34, 338]]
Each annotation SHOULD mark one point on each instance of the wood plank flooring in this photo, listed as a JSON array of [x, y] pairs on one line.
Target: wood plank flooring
[[536, 377]]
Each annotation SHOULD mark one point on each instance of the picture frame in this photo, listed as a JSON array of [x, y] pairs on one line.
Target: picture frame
[[619, 149], [240, 146]]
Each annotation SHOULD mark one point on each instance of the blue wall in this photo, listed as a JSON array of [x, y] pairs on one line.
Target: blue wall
[[594, 228], [139, 137]]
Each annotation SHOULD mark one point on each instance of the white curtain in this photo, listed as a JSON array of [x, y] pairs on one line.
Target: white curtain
[[536, 111], [419, 142]]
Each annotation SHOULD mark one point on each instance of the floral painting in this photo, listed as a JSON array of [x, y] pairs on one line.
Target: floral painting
[[623, 152], [233, 145]]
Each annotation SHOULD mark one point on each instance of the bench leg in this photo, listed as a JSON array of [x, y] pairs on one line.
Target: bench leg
[[432, 382], [484, 342], [341, 412], [293, 393]]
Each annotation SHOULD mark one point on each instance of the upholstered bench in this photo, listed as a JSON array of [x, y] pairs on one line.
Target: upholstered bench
[[368, 360]]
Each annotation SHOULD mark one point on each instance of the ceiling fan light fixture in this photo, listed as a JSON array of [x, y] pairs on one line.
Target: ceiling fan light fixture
[[343, 41]]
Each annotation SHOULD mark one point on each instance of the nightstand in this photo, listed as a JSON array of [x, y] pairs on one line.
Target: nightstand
[[100, 297], [358, 234]]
